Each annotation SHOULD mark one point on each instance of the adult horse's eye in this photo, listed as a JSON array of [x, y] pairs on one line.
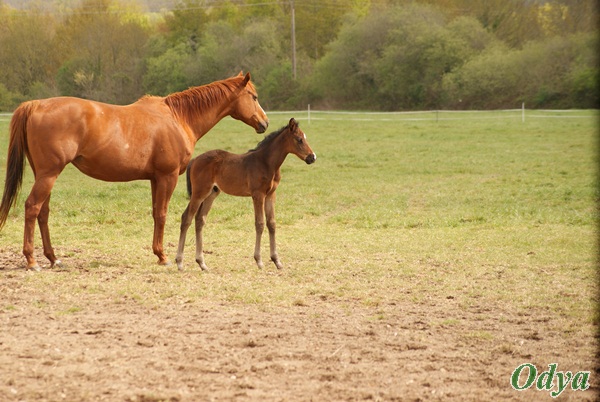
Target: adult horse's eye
[[299, 140]]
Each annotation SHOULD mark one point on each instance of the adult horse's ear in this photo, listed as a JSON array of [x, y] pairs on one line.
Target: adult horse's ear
[[241, 73], [246, 79], [292, 124]]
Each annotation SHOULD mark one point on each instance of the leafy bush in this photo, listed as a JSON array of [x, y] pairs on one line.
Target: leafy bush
[[549, 73], [396, 59], [8, 100]]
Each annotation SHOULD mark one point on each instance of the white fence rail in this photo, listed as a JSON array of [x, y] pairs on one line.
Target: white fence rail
[[429, 115], [441, 115]]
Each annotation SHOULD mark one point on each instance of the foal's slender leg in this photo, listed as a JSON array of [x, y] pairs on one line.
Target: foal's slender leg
[[258, 200], [186, 220], [270, 215], [200, 222], [38, 197], [45, 232]]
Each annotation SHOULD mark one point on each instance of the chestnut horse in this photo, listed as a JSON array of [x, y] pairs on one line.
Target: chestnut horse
[[254, 174], [151, 139]]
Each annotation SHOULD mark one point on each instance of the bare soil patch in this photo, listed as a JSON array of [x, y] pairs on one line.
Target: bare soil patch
[[121, 350]]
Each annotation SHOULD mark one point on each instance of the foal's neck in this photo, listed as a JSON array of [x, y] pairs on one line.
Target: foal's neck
[[273, 154]]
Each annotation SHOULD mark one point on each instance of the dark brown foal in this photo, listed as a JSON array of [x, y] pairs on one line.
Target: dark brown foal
[[254, 174]]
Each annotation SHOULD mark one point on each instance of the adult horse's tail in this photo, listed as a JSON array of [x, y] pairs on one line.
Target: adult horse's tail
[[17, 149]]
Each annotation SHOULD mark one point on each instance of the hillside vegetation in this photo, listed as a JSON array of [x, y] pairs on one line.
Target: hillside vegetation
[[369, 55]]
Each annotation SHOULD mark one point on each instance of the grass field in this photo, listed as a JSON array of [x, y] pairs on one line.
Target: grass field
[[477, 211]]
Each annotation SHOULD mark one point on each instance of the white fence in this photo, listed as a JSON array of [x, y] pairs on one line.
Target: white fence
[[429, 115], [441, 115]]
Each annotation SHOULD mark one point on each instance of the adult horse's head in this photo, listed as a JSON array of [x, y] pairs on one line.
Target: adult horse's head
[[245, 106]]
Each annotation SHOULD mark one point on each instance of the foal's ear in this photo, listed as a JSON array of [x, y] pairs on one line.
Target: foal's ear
[[293, 125]]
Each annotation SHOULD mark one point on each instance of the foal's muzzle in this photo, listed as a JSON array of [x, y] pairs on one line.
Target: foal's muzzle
[[310, 158]]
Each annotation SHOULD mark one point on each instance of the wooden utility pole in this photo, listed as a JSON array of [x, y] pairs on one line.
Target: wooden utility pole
[[293, 40]]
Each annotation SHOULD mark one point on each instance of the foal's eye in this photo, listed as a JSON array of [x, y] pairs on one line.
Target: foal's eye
[[299, 140], [254, 97]]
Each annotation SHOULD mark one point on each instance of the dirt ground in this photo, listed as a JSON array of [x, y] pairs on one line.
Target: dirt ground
[[324, 350]]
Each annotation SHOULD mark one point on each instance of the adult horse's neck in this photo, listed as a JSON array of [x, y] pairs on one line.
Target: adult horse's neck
[[201, 108]]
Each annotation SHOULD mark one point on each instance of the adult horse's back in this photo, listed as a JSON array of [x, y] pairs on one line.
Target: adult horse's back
[[151, 139]]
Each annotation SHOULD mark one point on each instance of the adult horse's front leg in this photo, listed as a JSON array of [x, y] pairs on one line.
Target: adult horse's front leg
[[270, 215], [162, 189]]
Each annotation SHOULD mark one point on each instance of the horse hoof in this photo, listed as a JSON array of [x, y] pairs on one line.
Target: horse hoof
[[57, 263], [166, 263], [35, 268]]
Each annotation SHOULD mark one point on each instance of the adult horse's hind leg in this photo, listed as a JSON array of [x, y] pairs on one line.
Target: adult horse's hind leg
[[38, 200], [270, 215], [200, 222], [45, 232]]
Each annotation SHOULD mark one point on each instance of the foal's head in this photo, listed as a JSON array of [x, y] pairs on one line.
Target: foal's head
[[296, 143]]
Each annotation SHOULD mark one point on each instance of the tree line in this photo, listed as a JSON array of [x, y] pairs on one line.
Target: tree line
[[349, 54]]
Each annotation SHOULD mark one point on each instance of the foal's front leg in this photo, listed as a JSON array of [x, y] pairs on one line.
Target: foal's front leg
[[258, 200], [270, 214]]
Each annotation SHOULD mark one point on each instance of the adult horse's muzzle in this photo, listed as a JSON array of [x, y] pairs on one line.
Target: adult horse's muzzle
[[262, 126], [310, 159]]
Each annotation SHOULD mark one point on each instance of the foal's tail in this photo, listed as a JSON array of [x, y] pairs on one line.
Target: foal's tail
[[15, 163], [188, 181]]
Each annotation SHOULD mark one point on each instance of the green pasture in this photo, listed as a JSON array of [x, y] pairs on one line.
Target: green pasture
[[481, 207]]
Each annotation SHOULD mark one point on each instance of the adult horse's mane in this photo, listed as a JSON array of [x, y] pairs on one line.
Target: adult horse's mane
[[192, 102], [265, 141]]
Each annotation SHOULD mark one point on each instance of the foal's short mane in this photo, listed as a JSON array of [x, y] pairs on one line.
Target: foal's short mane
[[192, 102], [267, 140]]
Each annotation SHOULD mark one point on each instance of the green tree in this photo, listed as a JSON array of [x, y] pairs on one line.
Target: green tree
[[165, 73], [317, 24], [225, 52], [186, 23], [556, 72], [396, 58], [102, 53], [27, 55]]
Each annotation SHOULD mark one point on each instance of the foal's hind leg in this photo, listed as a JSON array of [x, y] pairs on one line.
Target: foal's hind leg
[[200, 222], [186, 220], [270, 215], [258, 200]]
